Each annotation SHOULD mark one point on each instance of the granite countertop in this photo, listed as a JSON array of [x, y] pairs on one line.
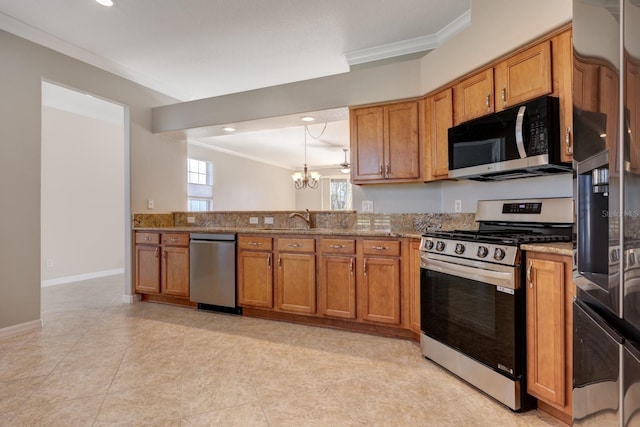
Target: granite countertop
[[557, 248], [296, 231]]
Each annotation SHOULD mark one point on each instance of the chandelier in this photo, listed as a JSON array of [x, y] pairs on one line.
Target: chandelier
[[306, 179]]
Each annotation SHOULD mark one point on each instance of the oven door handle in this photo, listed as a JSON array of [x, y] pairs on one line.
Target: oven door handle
[[505, 279]]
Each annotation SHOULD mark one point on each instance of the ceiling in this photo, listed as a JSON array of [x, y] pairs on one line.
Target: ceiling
[[204, 48]]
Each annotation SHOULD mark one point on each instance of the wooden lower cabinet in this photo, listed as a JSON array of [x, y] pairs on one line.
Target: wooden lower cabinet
[[549, 295], [379, 281], [337, 278], [255, 271], [296, 283], [414, 285], [162, 263]]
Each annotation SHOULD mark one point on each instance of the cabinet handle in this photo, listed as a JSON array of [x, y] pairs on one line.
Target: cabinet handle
[[364, 266], [503, 94], [351, 266], [337, 246], [487, 102], [269, 261], [147, 239], [157, 252], [254, 243], [174, 239], [380, 248], [295, 245], [164, 254], [567, 140], [279, 262], [387, 169], [381, 169], [529, 273]]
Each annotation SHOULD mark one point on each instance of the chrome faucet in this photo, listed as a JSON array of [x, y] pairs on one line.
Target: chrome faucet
[[306, 216]]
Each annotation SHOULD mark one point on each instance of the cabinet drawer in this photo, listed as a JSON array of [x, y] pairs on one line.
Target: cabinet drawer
[[145, 238], [381, 247], [338, 246], [296, 245], [175, 239], [255, 243]]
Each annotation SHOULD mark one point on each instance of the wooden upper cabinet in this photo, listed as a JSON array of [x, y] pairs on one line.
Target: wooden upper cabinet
[[473, 97], [586, 88], [367, 143], [562, 67], [439, 111], [524, 76], [386, 143]]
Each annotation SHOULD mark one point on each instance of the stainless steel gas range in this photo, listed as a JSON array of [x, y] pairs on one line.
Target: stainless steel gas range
[[472, 303]]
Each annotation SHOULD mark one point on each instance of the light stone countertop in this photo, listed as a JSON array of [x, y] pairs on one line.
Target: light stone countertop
[[296, 231], [557, 248]]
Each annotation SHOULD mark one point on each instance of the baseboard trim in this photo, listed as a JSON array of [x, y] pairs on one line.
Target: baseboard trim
[[21, 328], [81, 277], [131, 299]]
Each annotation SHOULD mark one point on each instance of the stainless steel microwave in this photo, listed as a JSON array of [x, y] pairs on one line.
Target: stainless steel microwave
[[519, 142]]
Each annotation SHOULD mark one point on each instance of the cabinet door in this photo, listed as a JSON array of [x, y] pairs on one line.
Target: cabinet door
[[586, 91], [255, 279], [524, 76], [473, 97], [296, 282], [402, 141], [562, 63], [414, 285], [175, 271], [546, 351], [367, 143], [148, 269], [337, 286], [609, 99], [380, 291], [439, 120]]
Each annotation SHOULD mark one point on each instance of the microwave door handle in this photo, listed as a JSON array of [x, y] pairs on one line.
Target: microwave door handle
[[520, 132]]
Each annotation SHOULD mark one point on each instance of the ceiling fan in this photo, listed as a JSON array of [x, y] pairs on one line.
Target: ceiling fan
[[345, 167]]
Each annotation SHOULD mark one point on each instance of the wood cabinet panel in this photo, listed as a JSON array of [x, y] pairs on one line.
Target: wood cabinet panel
[[255, 243], [337, 286], [439, 110], [296, 282], [175, 239], [562, 67], [367, 143], [386, 142], [381, 247], [632, 105], [380, 296], [524, 76], [414, 285], [338, 246], [296, 244], [473, 97], [145, 238], [255, 278], [402, 148], [147, 269], [175, 271], [586, 87], [549, 296]]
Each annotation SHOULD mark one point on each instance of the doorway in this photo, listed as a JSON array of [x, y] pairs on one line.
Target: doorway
[[84, 187]]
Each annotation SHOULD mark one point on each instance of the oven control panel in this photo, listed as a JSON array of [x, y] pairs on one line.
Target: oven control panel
[[480, 251]]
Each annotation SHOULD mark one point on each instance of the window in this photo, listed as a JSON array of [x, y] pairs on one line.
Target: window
[[199, 185], [340, 194]]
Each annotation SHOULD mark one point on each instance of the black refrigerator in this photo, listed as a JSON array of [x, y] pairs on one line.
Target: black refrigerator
[[606, 113]]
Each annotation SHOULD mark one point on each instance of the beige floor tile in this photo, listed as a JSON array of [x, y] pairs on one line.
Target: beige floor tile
[[100, 362]]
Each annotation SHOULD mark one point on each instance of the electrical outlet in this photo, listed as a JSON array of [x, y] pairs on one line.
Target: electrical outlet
[[150, 204], [367, 206], [268, 220], [191, 219], [457, 206], [253, 220]]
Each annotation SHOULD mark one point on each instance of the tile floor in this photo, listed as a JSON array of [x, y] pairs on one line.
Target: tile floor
[[100, 362]]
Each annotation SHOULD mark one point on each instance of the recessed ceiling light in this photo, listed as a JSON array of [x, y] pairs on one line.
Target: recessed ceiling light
[[107, 3], [307, 119], [229, 129]]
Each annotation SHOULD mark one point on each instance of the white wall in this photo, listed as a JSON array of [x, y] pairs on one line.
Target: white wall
[[157, 162], [244, 184], [82, 195]]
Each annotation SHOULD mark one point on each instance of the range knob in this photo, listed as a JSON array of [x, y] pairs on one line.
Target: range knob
[[459, 248], [483, 251], [498, 254], [428, 244], [440, 246]]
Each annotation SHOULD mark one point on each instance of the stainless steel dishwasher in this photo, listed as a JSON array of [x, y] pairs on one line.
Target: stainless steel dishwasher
[[212, 272]]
